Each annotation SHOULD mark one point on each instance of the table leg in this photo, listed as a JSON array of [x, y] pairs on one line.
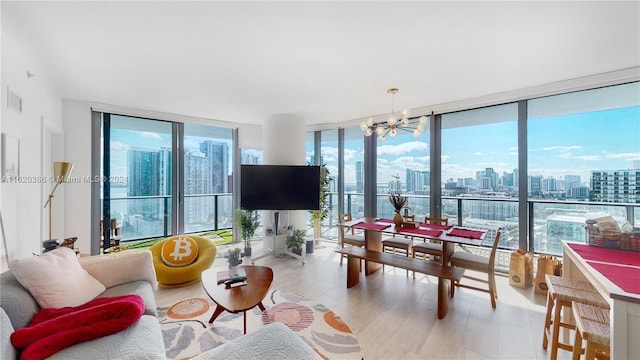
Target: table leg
[[262, 308], [443, 298], [245, 321], [372, 241], [219, 309], [353, 271]]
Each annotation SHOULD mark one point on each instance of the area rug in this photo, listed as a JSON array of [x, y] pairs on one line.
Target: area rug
[[187, 332]]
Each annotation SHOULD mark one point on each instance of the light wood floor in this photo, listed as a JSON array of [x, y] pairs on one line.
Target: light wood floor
[[394, 316]]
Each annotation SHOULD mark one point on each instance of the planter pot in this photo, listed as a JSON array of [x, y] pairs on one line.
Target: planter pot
[[247, 251], [310, 245]]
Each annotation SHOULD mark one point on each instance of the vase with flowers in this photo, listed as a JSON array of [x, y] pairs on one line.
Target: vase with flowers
[[399, 202]]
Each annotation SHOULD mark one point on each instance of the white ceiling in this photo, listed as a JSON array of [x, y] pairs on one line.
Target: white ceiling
[[323, 61]]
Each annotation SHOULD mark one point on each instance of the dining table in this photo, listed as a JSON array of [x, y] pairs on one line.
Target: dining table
[[448, 235], [615, 274]]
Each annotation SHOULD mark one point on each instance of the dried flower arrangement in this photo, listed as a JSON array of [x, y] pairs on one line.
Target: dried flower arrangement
[[398, 201]]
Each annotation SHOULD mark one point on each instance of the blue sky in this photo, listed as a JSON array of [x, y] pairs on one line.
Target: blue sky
[[571, 144]]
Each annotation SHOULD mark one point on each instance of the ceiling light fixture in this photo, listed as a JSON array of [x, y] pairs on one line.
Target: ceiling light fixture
[[395, 122]]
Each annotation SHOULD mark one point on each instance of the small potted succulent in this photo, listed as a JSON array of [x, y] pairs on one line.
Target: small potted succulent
[[234, 257]]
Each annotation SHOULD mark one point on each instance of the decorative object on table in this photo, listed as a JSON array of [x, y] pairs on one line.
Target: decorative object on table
[[247, 221], [316, 324], [317, 216], [295, 241], [61, 172], [521, 269], [547, 264], [234, 257], [398, 202], [395, 122]]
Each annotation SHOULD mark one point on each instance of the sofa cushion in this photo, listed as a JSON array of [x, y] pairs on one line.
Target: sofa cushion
[[56, 279], [179, 251], [142, 340], [7, 351], [17, 301], [141, 288]]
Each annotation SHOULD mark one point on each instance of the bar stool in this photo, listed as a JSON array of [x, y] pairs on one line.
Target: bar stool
[[592, 326], [562, 293]]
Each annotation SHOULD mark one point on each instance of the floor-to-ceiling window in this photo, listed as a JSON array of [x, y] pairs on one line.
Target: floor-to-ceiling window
[[403, 166], [138, 194], [207, 178], [149, 191], [479, 172], [353, 171], [583, 149]]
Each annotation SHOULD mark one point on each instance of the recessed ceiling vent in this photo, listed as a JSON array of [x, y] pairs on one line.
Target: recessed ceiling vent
[[14, 101]]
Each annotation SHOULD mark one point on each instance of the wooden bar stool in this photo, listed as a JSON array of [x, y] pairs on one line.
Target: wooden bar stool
[[562, 293], [592, 326]]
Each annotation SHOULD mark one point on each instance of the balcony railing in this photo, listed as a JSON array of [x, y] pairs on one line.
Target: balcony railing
[[143, 217], [550, 221]]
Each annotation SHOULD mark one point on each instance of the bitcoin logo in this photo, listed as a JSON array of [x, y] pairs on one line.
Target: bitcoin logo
[[180, 245], [179, 251]]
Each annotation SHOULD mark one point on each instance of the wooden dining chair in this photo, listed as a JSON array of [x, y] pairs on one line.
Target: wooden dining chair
[[395, 243], [467, 260], [348, 236], [429, 247]]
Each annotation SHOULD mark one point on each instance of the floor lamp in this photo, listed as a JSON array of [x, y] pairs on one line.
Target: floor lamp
[[61, 171]]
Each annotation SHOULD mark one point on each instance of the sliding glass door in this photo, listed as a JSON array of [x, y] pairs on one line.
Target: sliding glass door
[[159, 178]]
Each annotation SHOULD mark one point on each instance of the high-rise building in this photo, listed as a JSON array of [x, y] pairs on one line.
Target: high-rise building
[[615, 186], [217, 155], [535, 185], [144, 172], [197, 180]]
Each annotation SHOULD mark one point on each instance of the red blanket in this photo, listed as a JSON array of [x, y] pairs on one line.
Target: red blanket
[[52, 330]]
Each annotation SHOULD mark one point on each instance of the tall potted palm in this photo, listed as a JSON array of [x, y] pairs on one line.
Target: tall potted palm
[[317, 216], [247, 221]]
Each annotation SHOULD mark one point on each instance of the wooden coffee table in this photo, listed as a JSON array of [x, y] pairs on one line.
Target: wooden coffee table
[[240, 298]]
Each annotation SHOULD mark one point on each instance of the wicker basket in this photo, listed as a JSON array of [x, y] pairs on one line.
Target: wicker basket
[[613, 240]]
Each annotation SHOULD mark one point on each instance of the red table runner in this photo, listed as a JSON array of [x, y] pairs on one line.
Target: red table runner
[[627, 278], [385, 220], [426, 232], [606, 255], [436, 226], [369, 226], [465, 233]]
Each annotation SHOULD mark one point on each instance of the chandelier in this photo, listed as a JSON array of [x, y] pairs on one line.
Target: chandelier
[[395, 122]]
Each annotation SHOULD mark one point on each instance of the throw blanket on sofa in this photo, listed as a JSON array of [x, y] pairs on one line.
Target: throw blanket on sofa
[[52, 330]]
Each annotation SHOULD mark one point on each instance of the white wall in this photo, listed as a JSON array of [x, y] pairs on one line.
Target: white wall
[[22, 203]]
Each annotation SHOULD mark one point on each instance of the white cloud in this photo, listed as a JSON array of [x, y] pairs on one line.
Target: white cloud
[[478, 153], [562, 148], [589, 157], [150, 135], [404, 148], [119, 146]]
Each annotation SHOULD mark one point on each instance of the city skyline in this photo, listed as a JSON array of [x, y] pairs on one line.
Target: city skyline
[[574, 147]]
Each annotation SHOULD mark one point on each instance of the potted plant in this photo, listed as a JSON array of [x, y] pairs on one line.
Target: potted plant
[[295, 241], [247, 221], [399, 202], [317, 216]]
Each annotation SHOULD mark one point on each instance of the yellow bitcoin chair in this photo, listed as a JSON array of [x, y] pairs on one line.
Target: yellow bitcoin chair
[[179, 260]]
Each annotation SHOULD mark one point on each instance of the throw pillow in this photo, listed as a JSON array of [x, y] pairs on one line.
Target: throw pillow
[[179, 251], [56, 279]]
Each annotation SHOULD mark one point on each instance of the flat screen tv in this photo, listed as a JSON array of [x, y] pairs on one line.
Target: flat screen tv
[[280, 187]]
